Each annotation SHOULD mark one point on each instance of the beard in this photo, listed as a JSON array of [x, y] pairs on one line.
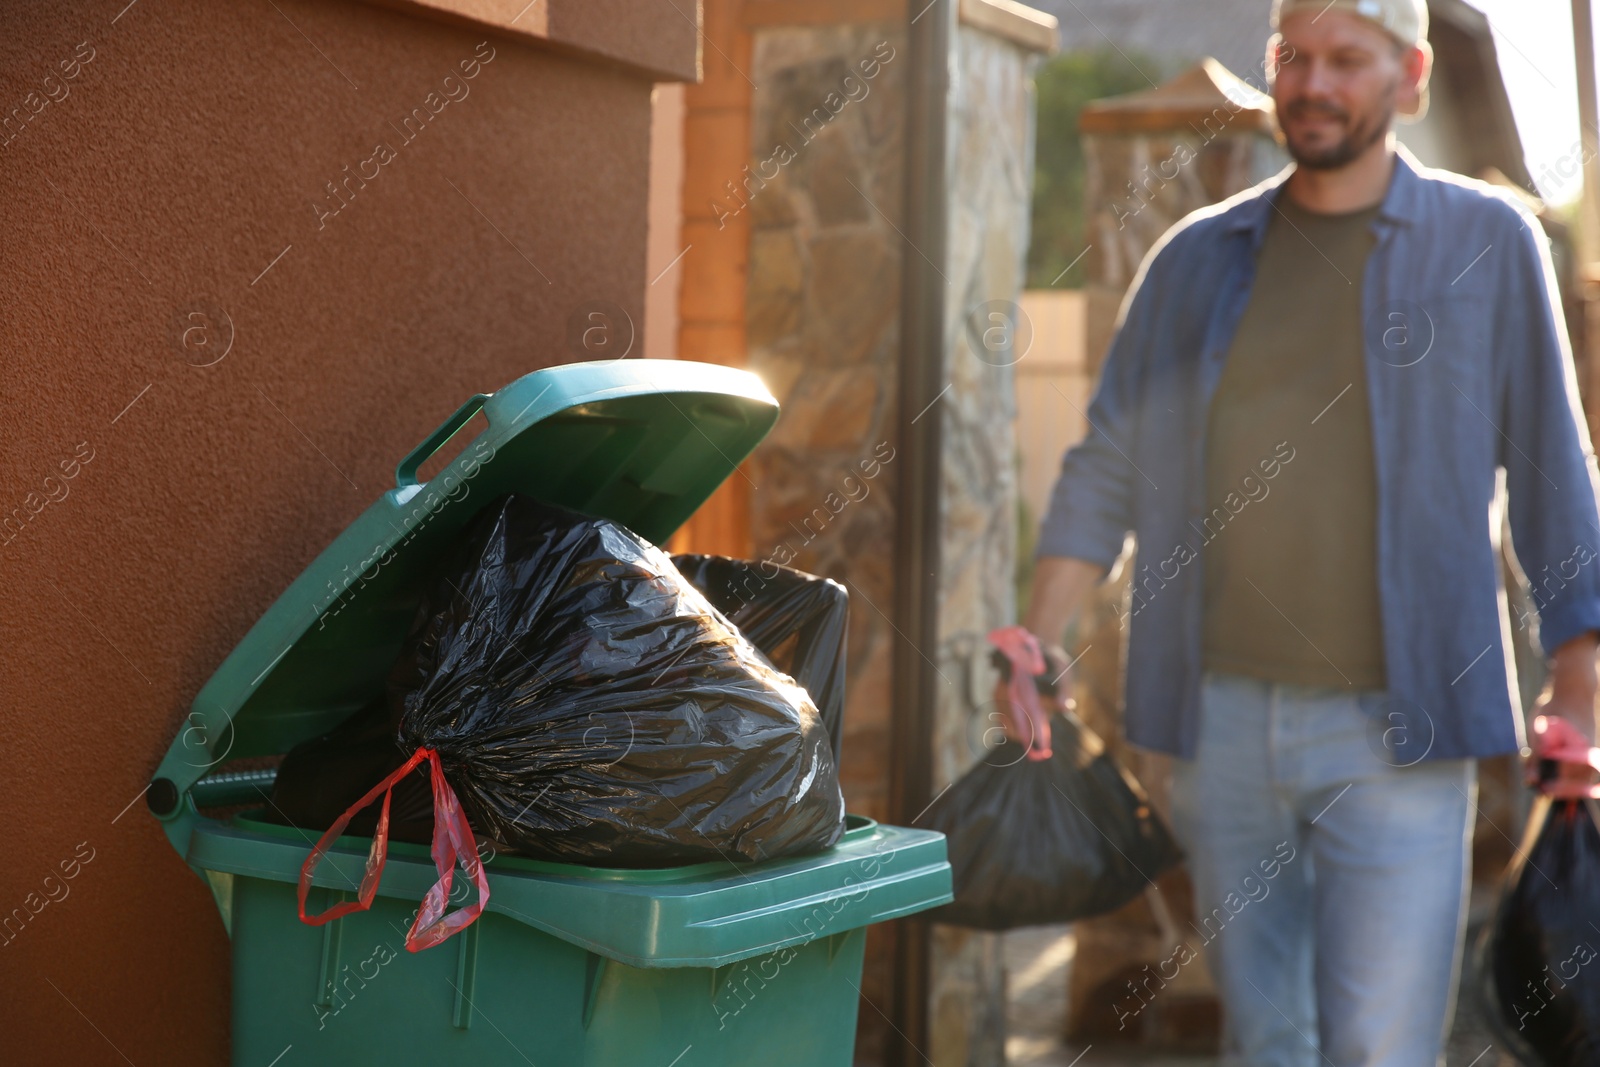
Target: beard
[[1360, 132]]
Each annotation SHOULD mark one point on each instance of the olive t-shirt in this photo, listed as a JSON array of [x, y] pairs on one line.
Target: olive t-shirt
[[1290, 522]]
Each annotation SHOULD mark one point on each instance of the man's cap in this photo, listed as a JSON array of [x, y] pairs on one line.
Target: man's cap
[[1404, 20]]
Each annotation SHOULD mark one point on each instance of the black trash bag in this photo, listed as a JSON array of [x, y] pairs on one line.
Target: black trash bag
[[590, 706], [320, 779], [1047, 841], [797, 620], [1539, 962]]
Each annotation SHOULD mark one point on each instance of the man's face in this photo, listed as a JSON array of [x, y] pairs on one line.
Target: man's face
[[1339, 79]]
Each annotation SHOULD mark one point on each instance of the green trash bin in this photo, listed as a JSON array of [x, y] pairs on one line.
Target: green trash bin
[[682, 967]]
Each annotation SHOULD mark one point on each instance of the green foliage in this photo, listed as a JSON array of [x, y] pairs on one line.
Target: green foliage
[[1064, 86]]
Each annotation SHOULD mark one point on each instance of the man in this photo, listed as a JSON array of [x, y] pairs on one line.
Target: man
[[1313, 393]]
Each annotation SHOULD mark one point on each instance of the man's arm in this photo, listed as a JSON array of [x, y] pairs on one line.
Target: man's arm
[[1060, 585], [1091, 506], [1573, 683], [1550, 479]]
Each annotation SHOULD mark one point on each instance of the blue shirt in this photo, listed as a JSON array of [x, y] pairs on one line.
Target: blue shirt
[[1469, 377]]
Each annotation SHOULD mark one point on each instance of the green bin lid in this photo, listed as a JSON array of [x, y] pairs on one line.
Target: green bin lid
[[641, 442]]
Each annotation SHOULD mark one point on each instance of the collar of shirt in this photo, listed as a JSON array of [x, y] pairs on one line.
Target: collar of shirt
[[1400, 204]]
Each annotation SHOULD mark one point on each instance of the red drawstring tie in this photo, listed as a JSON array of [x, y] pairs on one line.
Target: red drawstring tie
[[452, 842], [1029, 724]]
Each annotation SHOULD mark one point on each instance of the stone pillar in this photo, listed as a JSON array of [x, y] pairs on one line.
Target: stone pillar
[[990, 143], [822, 196]]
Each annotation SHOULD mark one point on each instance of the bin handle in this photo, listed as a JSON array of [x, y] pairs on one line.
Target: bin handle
[[405, 474], [452, 842]]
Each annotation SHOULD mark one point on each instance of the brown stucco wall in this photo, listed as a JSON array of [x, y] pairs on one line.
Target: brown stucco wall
[[176, 167]]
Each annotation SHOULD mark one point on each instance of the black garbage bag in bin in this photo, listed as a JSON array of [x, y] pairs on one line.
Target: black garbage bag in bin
[[797, 620], [589, 705], [324, 776], [1044, 841], [1539, 962]]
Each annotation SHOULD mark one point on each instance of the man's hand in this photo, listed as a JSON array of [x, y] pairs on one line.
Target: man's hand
[[1060, 586], [1057, 662], [1570, 695]]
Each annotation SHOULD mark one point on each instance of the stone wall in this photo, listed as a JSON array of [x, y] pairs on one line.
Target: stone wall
[[990, 142], [822, 322], [822, 197]]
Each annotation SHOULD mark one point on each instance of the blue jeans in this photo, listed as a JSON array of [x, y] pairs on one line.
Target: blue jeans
[[1330, 876]]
